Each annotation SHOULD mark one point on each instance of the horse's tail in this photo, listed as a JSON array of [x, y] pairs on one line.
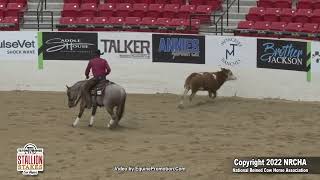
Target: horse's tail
[[121, 107]]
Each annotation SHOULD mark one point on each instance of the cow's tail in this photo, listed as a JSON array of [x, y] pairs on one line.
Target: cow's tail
[[187, 87], [187, 84]]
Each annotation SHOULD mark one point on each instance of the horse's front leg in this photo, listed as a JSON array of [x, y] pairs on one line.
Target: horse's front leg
[[93, 113], [82, 107]]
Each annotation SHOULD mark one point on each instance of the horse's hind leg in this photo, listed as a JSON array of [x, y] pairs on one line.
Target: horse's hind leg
[[93, 113], [113, 120], [82, 107]]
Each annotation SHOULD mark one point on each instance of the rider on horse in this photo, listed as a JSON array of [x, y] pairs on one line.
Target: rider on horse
[[100, 69]]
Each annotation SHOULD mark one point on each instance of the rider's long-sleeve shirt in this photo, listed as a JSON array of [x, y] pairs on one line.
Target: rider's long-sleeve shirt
[[99, 66]]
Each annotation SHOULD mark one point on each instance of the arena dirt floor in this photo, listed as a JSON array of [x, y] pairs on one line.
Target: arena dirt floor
[[203, 137]]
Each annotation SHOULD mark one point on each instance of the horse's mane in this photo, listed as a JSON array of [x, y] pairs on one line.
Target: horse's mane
[[76, 88], [78, 84]]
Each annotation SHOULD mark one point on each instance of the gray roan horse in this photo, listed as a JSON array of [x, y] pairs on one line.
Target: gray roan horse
[[113, 99]]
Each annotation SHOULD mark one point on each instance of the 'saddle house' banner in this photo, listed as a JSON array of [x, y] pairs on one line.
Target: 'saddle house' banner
[[117, 46], [231, 51], [67, 46], [18, 45], [178, 48], [282, 54]]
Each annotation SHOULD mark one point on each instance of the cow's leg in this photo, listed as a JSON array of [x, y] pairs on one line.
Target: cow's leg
[[113, 120], [214, 94], [93, 113], [186, 90], [82, 107], [192, 95], [210, 94]]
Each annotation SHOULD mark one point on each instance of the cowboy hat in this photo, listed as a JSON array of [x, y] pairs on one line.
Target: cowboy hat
[[98, 52]]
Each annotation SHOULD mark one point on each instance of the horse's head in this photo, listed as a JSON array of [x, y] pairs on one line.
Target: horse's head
[[228, 73], [73, 95]]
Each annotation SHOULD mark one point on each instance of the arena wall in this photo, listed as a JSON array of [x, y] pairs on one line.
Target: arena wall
[[142, 75]]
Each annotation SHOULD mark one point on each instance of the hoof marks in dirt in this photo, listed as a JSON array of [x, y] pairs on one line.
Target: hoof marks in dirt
[[180, 106]]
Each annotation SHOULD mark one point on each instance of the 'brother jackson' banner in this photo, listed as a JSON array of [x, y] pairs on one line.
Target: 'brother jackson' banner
[[280, 54]]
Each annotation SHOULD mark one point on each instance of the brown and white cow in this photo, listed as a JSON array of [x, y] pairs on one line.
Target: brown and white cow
[[206, 81]]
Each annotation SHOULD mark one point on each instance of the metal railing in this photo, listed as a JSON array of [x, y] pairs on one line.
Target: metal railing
[[276, 34], [38, 23], [229, 5], [40, 13], [41, 4], [208, 20], [218, 18], [123, 27]]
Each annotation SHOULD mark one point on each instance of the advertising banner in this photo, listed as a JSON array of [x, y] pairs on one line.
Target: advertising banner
[[178, 48], [231, 51], [315, 56], [122, 46], [68, 46], [18, 46], [283, 54]]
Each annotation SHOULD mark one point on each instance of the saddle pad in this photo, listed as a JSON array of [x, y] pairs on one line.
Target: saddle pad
[[98, 90]]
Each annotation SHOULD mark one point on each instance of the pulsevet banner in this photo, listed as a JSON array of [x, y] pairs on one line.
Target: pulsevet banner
[[18, 45]]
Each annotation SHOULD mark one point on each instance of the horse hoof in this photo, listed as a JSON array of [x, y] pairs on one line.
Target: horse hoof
[[90, 125], [73, 125], [180, 106], [110, 126]]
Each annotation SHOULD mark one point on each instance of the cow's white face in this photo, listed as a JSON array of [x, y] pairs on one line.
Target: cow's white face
[[230, 75]]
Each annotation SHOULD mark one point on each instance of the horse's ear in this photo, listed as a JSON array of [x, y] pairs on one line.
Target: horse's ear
[[67, 87]]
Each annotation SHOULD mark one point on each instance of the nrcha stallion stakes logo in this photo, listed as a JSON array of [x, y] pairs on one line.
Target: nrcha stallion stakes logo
[[30, 159]]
